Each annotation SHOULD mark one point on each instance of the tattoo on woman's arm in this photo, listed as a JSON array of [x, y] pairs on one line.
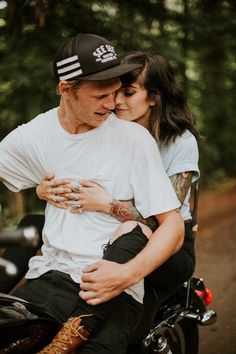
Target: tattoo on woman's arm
[[125, 211], [181, 183]]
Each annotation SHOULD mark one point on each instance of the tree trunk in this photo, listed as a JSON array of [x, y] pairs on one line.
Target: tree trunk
[[16, 205]]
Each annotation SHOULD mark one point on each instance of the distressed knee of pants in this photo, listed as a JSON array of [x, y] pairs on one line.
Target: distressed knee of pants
[[126, 246]]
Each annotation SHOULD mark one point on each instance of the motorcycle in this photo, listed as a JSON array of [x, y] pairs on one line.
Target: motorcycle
[[175, 329], [26, 328]]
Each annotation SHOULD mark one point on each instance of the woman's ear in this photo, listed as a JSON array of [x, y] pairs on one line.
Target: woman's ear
[[155, 100]]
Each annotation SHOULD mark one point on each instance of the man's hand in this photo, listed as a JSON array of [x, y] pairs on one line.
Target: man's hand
[[104, 280], [53, 190]]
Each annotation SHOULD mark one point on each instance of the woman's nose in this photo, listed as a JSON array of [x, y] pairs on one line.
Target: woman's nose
[[118, 99]]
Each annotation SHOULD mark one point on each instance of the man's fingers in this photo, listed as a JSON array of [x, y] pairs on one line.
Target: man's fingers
[[86, 286], [48, 176], [87, 295], [95, 301], [58, 205], [59, 182], [90, 268], [57, 198], [90, 297], [93, 298], [86, 278]]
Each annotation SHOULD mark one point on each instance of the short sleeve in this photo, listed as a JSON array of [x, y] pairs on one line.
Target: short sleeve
[[153, 191], [181, 156], [15, 170]]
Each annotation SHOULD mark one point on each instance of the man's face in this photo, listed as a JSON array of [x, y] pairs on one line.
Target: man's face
[[92, 102]]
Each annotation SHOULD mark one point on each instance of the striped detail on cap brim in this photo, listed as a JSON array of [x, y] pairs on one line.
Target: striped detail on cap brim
[[70, 67]]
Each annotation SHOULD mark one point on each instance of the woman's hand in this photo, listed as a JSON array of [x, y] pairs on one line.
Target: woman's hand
[[53, 190], [90, 196]]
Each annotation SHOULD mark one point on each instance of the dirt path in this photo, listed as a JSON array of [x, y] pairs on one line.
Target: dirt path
[[216, 263]]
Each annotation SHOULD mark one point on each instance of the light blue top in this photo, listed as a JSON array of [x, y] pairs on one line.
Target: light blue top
[[181, 156]]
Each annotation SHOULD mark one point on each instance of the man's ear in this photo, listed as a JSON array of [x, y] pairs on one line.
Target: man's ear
[[64, 89]]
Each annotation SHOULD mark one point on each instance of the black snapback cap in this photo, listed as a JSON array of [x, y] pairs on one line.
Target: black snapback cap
[[89, 57]]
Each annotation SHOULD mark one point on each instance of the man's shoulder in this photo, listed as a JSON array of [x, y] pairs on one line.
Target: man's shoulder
[[130, 129], [40, 121]]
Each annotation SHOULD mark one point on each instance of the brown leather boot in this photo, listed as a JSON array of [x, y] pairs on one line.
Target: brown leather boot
[[70, 337]]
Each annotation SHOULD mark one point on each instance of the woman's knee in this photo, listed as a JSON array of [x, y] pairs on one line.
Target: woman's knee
[[128, 226]]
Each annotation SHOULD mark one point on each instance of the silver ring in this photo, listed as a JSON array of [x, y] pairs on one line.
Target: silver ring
[[75, 187], [74, 197], [75, 206], [80, 210]]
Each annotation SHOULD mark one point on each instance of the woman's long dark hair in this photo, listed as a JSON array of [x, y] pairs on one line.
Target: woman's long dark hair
[[170, 117]]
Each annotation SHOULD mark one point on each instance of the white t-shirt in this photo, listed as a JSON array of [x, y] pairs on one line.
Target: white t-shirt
[[181, 156], [122, 156]]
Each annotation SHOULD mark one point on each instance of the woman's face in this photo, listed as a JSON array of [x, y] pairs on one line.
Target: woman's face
[[132, 103]]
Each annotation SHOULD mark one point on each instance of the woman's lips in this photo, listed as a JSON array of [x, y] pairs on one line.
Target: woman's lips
[[120, 111]]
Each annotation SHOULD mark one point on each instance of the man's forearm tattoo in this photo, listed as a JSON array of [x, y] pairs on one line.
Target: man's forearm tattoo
[[181, 183]]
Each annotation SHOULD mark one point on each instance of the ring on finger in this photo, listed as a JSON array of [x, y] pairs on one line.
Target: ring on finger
[[76, 205], [75, 187], [80, 210], [74, 197]]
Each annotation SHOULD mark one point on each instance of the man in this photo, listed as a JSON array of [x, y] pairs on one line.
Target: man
[[81, 139]]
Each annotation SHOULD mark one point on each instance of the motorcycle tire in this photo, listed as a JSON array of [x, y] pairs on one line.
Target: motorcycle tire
[[183, 338]]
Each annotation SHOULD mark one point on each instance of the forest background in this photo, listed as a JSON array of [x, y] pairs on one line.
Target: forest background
[[197, 36]]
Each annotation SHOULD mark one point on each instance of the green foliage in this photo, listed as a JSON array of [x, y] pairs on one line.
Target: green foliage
[[197, 36]]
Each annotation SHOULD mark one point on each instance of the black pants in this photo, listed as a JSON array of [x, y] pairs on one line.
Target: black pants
[[159, 285], [59, 295]]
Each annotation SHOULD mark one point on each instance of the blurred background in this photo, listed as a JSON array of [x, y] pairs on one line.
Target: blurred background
[[198, 37]]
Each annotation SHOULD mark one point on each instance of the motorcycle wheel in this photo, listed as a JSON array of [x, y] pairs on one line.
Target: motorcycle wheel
[[183, 338]]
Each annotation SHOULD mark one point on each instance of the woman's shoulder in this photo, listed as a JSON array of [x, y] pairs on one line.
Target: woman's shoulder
[[184, 141], [186, 138], [184, 144]]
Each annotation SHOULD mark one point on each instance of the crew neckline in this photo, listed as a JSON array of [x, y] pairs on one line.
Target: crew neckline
[[79, 136]]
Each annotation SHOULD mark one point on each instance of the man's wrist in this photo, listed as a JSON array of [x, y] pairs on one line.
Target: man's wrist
[[132, 273]]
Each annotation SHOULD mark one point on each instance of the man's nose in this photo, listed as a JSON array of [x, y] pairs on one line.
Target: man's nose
[[109, 104]]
